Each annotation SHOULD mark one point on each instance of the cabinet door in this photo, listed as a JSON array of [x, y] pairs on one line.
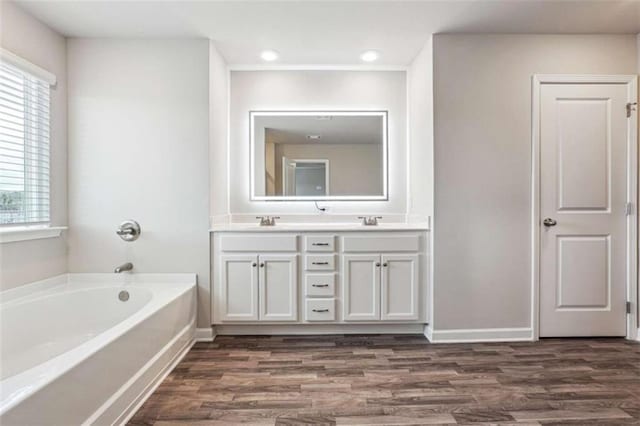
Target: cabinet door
[[361, 287], [400, 287], [239, 288], [278, 287]]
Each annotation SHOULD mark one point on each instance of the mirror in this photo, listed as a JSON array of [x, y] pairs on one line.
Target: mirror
[[318, 155]]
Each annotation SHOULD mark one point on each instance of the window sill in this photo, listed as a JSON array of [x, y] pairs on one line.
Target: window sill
[[25, 233]]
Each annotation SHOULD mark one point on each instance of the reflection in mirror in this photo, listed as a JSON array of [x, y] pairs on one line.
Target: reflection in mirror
[[323, 155]]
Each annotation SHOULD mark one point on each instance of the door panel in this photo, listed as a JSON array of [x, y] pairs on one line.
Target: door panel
[[399, 287], [584, 279], [239, 288], [584, 163], [361, 287], [278, 287], [583, 143]]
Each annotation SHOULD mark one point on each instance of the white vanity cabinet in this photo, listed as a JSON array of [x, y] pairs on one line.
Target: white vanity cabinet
[[333, 278], [381, 277], [257, 285]]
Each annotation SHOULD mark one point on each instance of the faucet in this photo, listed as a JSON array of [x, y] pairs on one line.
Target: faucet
[[124, 267], [370, 220], [267, 220]]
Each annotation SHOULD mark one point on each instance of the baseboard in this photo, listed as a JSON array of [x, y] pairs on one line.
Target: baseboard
[[301, 329], [638, 335], [204, 335], [428, 332], [170, 356], [479, 335]]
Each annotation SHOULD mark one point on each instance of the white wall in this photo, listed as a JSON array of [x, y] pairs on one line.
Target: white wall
[[421, 133], [317, 90], [218, 132], [27, 261], [138, 149], [482, 104]]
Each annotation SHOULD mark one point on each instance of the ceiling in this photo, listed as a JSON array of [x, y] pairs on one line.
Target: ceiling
[[337, 130], [329, 32]]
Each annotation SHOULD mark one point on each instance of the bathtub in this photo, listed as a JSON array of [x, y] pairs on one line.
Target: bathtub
[[88, 348]]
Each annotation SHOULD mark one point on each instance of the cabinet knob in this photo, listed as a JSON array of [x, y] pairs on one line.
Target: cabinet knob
[[262, 265], [385, 264], [378, 264], [254, 264]]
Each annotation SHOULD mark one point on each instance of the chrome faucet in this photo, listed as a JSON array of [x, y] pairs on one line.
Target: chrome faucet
[[123, 268], [267, 220], [370, 220]]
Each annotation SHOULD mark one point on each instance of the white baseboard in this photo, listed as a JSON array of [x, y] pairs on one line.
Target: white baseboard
[[301, 329], [204, 335], [479, 335], [638, 335], [428, 332]]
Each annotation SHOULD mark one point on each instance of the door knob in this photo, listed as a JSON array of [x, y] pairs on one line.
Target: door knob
[[549, 222]]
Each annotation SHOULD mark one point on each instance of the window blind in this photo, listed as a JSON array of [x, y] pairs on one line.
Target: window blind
[[24, 147]]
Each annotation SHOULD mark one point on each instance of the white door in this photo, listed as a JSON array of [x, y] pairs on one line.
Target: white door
[[583, 195], [239, 298], [361, 287], [278, 287], [399, 287]]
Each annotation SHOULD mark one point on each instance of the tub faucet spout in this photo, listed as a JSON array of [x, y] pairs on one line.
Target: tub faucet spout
[[124, 267]]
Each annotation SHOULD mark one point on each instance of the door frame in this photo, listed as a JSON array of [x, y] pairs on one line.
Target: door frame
[[632, 191]]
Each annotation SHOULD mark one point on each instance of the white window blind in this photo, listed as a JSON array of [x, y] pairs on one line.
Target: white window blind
[[24, 147]]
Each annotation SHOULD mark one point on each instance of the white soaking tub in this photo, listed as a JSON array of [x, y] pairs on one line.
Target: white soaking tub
[[75, 349]]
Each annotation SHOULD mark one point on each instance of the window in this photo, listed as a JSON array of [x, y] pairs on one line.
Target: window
[[24, 144]]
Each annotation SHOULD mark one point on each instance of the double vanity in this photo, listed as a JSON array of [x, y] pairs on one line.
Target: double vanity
[[324, 277], [292, 276]]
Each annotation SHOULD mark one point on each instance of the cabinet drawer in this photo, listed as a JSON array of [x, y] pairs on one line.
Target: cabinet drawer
[[377, 244], [320, 243], [258, 243], [320, 310], [320, 262], [320, 285]]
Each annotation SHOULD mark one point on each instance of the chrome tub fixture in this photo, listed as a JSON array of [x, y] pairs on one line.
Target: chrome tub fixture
[[123, 268], [129, 230]]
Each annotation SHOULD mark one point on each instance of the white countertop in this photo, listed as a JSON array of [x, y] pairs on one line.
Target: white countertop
[[318, 227]]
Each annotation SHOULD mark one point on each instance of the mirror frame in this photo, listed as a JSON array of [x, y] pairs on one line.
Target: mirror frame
[[385, 155]]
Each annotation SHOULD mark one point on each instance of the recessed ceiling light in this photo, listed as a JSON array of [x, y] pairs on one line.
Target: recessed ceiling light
[[314, 137], [369, 56], [269, 55]]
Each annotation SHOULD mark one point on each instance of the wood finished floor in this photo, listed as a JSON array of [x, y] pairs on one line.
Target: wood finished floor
[[399, 380]]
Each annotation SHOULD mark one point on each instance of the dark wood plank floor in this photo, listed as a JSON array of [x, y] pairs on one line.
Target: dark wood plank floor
[[399, 380]]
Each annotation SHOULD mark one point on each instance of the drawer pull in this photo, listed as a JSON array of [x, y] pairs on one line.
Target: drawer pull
[[320, 310], [319, 244], [319, 285], [319, 263]]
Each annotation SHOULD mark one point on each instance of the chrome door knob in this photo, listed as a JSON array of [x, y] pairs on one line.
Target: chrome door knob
[[549, 222]]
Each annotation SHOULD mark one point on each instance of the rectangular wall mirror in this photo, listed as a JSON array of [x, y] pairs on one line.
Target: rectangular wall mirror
[[318, 155]]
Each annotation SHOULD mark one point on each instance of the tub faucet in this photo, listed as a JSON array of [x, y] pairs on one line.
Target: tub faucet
[[124, 267]]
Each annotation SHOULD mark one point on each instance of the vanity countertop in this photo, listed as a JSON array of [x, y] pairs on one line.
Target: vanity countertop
[[319, 227]]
